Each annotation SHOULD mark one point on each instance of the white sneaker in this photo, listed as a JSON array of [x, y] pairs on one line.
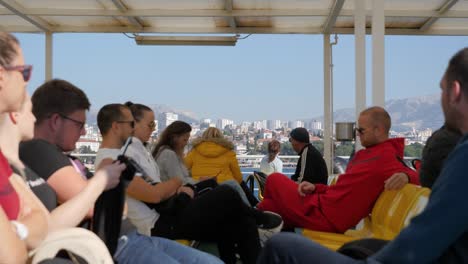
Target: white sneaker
[[272, 226]]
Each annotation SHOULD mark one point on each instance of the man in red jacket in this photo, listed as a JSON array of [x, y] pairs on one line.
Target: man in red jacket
[[341, 206]]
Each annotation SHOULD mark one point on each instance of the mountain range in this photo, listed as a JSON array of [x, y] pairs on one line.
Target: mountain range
[[415, 112]]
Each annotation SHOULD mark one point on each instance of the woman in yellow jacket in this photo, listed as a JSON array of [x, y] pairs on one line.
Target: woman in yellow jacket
[[212, 156]]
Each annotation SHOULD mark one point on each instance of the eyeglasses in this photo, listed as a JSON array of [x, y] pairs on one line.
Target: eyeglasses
[[81, 124], [360, 130], [25, 70], [132, 123], [152, 125]]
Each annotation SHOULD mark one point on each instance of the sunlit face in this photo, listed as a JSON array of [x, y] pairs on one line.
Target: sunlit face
[[13, 86], [182, 140], [145, 127], [366, 131], [70, 129], [125, 128], [26, 120]]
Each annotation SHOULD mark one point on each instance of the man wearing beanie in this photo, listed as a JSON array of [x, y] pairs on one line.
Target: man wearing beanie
[[339, 207], [311, 166]]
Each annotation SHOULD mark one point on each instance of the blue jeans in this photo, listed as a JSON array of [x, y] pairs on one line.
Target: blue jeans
[[236, 186], [295, 249], [137, 248]]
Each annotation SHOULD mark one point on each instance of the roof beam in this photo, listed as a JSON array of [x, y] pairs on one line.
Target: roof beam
[[444, 8], [18, 10], [238, 30], [225, 13], [331, 19], [123, 8], [231, 20]]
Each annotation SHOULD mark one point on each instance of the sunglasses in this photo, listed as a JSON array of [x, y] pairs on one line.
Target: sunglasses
[[79, 123], [132, 123], [360, 130], [25, 70], [152, 125]]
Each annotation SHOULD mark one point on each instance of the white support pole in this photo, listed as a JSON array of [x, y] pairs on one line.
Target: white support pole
[[360, 59], [48, 55], [327, 107], [378, 53]]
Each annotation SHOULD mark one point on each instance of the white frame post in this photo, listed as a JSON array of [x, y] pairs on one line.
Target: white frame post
[[378, 53], [360, 59], [327, 107], [48, 55]]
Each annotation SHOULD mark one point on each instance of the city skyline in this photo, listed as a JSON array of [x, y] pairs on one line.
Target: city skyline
[[263, 77]]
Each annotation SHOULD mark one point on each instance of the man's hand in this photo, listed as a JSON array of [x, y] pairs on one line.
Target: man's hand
[[305, 188], [396, 181], [186, 190], [112, 173]]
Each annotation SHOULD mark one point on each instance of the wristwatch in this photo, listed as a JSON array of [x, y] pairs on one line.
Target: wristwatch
[[21, 230]]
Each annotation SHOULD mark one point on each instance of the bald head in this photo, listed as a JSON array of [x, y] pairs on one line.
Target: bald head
[[379, 117]]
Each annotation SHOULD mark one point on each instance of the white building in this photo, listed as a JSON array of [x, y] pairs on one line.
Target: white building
[[267, 135], [166, 119], [241, 149], [273, 124], [222, 123], [314, 125], [297, 123], [262, 124]]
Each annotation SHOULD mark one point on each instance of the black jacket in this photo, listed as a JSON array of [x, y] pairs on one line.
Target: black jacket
[[315, 170]]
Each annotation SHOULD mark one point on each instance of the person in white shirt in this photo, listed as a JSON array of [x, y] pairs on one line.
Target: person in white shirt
[[271, 163]]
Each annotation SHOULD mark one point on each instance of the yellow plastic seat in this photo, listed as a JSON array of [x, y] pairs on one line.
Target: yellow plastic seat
[[184, 242], [392, 212]]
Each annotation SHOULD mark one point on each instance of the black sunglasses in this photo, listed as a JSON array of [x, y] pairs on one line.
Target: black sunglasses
[[360, 130], [25, 70], [132, 123], [81, 124]]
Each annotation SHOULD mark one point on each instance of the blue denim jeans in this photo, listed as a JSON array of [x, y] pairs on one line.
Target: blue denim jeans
[[295, 249], [137, 248], [235, 185]]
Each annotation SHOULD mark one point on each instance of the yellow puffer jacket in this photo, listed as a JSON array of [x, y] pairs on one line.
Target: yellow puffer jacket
[[211, 158]]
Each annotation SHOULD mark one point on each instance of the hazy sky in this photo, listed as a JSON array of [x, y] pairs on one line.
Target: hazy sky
[[263, 77]]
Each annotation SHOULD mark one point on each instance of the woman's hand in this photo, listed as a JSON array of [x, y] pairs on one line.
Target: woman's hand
[[186, 190]]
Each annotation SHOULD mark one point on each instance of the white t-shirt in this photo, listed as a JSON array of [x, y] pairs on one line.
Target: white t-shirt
[[269, 167], [139, 213]]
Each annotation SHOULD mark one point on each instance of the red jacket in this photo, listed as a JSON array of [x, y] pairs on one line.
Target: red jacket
[[354, 194]]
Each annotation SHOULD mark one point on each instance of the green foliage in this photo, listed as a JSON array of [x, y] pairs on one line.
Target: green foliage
[[286, 149], [414, 150], [344, 149], [318, 145]]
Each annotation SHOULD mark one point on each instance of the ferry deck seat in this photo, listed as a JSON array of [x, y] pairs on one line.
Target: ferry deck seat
[[392, 211]]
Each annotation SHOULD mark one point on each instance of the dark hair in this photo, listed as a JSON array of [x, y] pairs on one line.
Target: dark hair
[[166, 138], [107, 115], [379, 116], [58, 96], [8, 48], [457, 70], [137, 110]]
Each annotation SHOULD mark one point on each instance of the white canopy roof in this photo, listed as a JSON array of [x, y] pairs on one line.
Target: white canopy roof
[[403, 17]]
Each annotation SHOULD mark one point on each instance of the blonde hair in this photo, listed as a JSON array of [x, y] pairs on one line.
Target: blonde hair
[[212, 132]]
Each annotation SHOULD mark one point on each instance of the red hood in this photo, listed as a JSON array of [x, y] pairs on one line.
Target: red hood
[[395, 144]]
